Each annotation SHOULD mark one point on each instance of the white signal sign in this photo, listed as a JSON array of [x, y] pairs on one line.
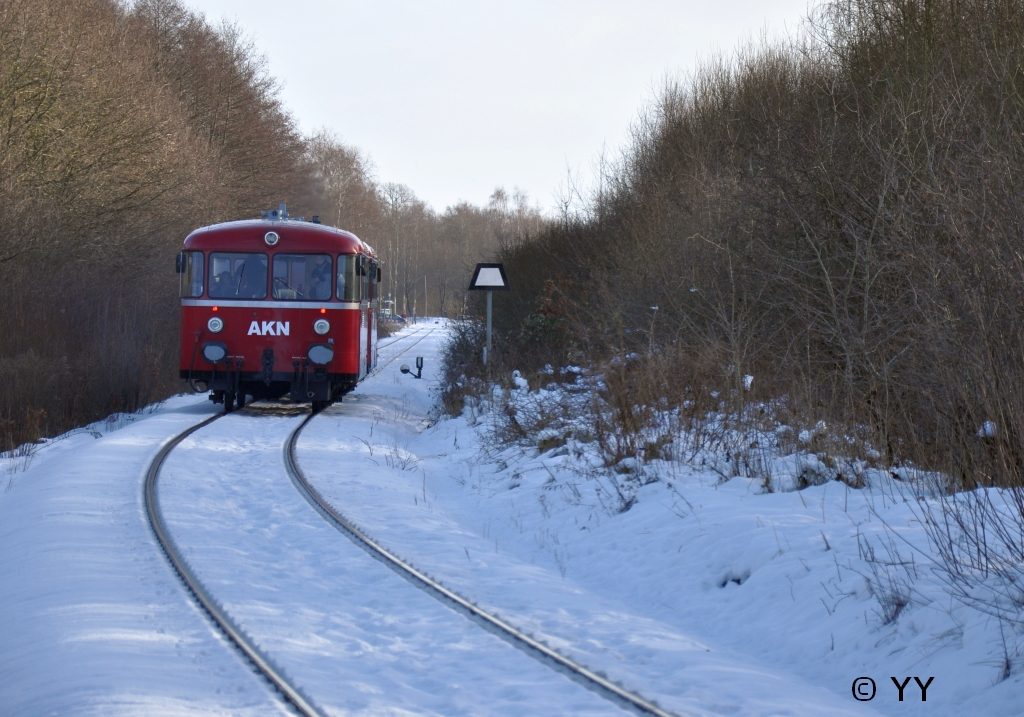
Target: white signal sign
[[489, 277]]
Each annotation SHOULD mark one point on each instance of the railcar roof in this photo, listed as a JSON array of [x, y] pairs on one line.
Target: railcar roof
[[248, 235]]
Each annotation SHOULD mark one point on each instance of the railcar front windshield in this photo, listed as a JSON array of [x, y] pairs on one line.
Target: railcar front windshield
[[234, 275], [302, 277]]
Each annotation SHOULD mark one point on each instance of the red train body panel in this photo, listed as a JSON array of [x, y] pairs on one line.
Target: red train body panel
[[277, 307]]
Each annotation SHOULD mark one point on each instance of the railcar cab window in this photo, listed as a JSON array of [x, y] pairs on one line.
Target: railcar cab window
[[302, 277], [235, 275], [191, 273], [348, 277]]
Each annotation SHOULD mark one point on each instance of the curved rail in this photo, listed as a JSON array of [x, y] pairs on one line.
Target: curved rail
[[205, 600], [586, 677], [274, 675]]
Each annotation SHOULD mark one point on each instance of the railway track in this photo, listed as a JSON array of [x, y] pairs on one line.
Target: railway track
[[427, 333], [275, 676], [395, 340], [262, 663]]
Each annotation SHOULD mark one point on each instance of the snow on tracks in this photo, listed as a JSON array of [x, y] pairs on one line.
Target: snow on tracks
[[534, 648], [261, 662], [357, 637]]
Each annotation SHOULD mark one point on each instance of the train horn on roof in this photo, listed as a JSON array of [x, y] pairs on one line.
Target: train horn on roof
[[274, 214]]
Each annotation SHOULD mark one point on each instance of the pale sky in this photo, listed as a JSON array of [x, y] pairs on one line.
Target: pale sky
[[454, 98]]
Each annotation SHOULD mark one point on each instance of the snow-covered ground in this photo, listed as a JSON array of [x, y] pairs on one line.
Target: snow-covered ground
[[706, 596], [92, 620]]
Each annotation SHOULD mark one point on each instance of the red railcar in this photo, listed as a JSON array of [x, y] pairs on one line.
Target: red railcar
[[277, 306]]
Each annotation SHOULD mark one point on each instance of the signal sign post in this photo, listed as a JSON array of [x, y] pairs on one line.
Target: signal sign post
[[489, 278]]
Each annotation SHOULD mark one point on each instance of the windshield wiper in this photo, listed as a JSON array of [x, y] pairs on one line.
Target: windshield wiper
[[297, 292]]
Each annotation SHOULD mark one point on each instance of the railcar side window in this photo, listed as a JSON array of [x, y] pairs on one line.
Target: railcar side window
[[348, 277], [192, 276], [235, 275], [371, 275], [302, 277], [365, 279]]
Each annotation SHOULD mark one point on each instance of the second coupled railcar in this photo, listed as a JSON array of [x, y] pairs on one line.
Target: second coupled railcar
[[277, 306]]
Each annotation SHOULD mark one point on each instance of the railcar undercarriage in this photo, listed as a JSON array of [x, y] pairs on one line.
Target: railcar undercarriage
[[233, 386]]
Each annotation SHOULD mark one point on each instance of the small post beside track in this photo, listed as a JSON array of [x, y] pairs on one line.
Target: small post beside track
[[487, 348]]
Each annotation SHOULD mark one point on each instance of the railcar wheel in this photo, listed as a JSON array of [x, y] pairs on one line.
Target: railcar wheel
[[229, 401], [240, 403], [320, 405]]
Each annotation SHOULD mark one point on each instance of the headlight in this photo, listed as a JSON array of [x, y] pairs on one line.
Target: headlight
[[215, 324], [320, 354], [321, 326]]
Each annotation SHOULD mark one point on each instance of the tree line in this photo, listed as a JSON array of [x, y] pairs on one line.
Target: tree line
[[427, 256], [839, 215], [126, 126]]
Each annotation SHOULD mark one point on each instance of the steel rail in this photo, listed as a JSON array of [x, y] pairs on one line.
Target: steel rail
[[393, 358], [400, 338], [234, 633], [588, 678]]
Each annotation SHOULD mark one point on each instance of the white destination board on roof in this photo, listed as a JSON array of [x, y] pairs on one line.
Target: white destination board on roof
[[489, 277]]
